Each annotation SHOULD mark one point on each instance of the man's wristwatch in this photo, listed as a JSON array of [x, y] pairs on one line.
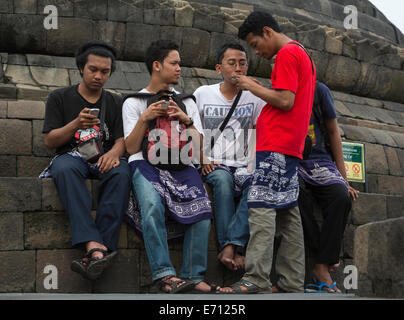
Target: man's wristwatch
[[191, 122]]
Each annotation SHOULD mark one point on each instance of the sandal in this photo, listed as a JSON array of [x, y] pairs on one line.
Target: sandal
[[251, 288], [94, 265], [212, 289], [318, 287], [175, 285]]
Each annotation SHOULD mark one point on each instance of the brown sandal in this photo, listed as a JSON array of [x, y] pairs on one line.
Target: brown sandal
[[177, 286]]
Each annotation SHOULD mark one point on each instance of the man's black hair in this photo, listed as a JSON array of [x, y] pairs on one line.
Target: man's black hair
[[98, 48], [230, 45], [255, 22], [158, 51]]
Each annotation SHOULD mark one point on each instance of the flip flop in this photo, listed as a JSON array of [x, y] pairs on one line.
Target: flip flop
[[318, 286], [212, 289], [251, 288]]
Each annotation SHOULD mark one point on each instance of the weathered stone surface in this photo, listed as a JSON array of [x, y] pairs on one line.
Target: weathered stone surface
[[46, 230], [393, 161], [348, 241], [333, 45], [11, 231], [195, 47], [378, 254], [8, 91], [184, 16], [162, 17], [382, 137], [67, 280], [382, 116], [25, 109], [71, 34], [117, 81], [21, 279], [31, 166], [125, 11], [358, 134], [216, 42], [8, 166], [50, 76], [65, 8], [20, 194], [342, 109], [342, 73], [28, 92], [19, 74], [92, 9], [369, 208], [374, 81], [207, 22], [144, 35], [137, 81], [122, 276], [3, 109], [50, 197], [25, 6], [395, 92], [398, 139], [390, 185], [314, 39], [6, 6], [15, 136], [113, 33], [172, 33], [360, 111], [395, 206], [17, 59], [38, 140]]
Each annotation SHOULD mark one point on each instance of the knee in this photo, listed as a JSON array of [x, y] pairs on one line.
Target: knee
[[203, 226], [122, 172], [341, 195], [220, 178], [65, 165]]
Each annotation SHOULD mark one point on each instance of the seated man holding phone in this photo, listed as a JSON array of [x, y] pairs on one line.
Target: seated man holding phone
[[84, 124]]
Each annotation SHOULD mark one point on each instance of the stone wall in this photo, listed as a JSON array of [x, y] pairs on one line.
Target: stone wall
[[355, 62]]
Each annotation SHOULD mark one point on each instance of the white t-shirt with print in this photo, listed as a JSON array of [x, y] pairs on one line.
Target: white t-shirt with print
[[231, 147], [133, 107]]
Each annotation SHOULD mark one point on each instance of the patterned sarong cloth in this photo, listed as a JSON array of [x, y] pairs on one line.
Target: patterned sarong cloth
[[320, 172], [182, 192], [274, 182]]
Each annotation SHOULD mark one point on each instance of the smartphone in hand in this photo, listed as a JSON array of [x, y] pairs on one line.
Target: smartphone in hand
[[94, 111]]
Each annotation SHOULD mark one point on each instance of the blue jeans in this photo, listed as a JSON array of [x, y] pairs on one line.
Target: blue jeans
[[231, 224], [69, 175], [195, 246]]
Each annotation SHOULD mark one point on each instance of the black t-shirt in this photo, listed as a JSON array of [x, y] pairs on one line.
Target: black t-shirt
[[65, 104]]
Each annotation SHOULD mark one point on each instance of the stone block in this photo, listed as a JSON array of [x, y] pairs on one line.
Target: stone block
[[28, 92], [390, 185], [215, 270], [50, 76], [50, 197], [395, 206], [134, 240], [378, 254], [365, 51], [25, 109], [369, 208], [348, 241], [392, 61], [29, 38], [184, 16], [393, 106], [131, 66], [333, 45], [125, 11], [395, 92], [358, 134], [8, 91], [40, 60], [393, 161], [65, 8], [398, 139], [122, 276], [31, 166], [162, 17], [144, 35], [25, 6], [314, 39], [360, 111], [71, 33], [117, 81], [374, 81], [195, 47], [113, 33], [21, 279], [17, 59], [171, 33], [15, 136], [92, 9], [47, 230], [6, 6], [376, 161], [38, 140], [216, 42], [207, 22], [342, 73], [67, 280], [342, 109], [8, 166], [65, 63], [11, 231], [382, 116], [137, 81], [19, 75]]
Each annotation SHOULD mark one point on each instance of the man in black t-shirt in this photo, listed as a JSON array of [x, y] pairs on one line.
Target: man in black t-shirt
[[67, 122]]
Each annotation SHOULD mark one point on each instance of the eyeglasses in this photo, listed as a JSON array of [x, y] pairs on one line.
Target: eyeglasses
[[234, 64]]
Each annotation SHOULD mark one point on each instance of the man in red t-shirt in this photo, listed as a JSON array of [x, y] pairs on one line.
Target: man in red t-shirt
[[281, 130]]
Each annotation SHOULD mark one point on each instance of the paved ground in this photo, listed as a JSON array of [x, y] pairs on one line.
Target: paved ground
[[192, 297]]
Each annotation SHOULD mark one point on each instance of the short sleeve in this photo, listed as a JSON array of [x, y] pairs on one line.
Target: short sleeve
[[192, 110], [130, 115], [286, 70], [54, 118], [259, 104], [326, 102]]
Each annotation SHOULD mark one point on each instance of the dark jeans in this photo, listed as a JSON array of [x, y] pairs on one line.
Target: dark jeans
[[70, 174], [335, 204]]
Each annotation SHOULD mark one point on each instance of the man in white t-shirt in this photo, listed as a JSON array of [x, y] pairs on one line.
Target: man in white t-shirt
[[180, 194], [226, 171]]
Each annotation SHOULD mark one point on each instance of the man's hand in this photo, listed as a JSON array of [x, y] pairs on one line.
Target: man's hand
[[156, 109], [174, 111], [86, 120], [108, 161], [245, 82], [353, 192], [209, 167]]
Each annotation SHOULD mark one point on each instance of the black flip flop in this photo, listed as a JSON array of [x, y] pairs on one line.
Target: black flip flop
[[174, 285]]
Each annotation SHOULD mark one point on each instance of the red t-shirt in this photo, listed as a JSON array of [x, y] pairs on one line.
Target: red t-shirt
[[285, 131]]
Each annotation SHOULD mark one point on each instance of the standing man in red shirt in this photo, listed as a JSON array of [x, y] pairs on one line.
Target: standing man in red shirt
[[281, 130]]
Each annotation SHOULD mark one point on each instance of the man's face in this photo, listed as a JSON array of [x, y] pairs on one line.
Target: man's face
[[264, 45], [234, 62], [170, 71], [96, 71]]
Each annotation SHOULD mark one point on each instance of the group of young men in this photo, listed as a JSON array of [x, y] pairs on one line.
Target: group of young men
[[254, 177]]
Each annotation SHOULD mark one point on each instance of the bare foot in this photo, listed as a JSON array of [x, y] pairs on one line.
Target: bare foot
[[239, 260], [320, 272], [204, 287], [169, 280], [333, 267], [96, 254], [226, 257]]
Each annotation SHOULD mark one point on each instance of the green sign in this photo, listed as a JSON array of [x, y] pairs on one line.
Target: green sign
[[354, 158]]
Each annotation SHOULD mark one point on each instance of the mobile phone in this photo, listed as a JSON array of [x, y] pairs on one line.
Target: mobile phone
[[94, 111], [165, 103]]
